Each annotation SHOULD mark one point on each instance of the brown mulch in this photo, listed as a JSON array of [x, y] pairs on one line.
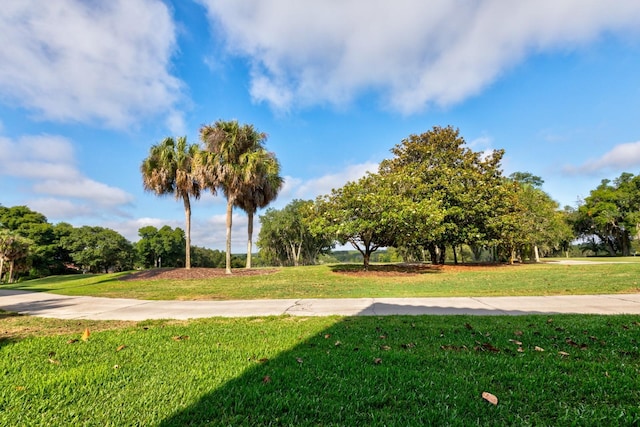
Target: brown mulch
[[410, 269], [193, 273], [350, 269]]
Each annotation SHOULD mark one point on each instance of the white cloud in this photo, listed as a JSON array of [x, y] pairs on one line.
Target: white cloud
[[46, 164], [295, 188], [620, 157], [416, 53], [99, 62]]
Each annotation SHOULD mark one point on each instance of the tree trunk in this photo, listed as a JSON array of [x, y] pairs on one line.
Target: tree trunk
[[1, 267], [366, 256], [229, 223], [187, 234], [455, 255], [433, 254], [442, 255], [536, 254], [249, 241], [11, 263]]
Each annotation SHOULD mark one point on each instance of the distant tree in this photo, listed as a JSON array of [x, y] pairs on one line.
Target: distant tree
[[99, 249], [612, 214], [261, 189], [231, 156], [169, 170], [45, 255], [205, 257], [286, 238], [13, 247], [161, 248]]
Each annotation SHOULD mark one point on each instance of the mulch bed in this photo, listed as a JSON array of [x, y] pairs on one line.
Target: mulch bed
[[192, 273], [350, 269]]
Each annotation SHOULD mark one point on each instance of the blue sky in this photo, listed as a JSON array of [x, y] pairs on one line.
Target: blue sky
[[86, 87]]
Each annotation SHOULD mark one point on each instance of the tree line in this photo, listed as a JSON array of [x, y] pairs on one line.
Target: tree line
[[433, 200], [436, 194], [31, 247]]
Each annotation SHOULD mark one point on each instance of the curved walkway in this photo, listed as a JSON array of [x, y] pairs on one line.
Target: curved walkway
[[96, 308]]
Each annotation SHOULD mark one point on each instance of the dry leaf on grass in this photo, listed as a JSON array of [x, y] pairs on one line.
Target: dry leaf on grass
[[536, 348], [54, 362], [377, 361], [266, 379], [490, 398], [86, 334], [122, 347], [563, 353]]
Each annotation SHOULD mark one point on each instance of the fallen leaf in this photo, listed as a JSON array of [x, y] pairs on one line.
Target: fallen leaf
[[266, 379], [408, 345], [122, 347], [383, 337], [549, 320], [520, 350], [490, 398], [263, 360], [299, 360], [377, 361], [571, 342], [116, 366], [536, 348], [468, 326], [20, 388], [55, 362], [516, 342], [86, 334], [72, 341], [180, 337], [327, 336], [563, 353], [337, 343], [486, 347], [518, 333], [385, 348]]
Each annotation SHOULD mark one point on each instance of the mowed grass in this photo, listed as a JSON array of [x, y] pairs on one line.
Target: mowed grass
[[397, 370], [339, 281]]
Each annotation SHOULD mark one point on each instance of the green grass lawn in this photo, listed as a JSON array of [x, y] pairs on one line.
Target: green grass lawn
[[348, 371], [327, 281]]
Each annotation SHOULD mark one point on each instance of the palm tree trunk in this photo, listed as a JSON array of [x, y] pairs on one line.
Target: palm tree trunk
[[1, 267], [229, 221], [187, 234], [250, 234]]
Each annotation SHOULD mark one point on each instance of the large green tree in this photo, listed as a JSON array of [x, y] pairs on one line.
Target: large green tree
[[169, 170], [377, 211], [231, 156], [463, 181]]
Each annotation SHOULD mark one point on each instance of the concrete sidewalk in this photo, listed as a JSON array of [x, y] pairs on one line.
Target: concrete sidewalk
[[67, 307]]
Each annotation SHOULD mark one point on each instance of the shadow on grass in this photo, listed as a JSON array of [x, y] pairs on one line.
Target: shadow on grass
[[47, 284], [369, 370], [405, 268]]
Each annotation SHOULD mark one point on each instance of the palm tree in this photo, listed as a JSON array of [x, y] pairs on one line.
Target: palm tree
[[228, 162], [262, 188], [168, 170]]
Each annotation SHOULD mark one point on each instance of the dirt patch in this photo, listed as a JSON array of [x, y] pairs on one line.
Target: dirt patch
[[193, 273]]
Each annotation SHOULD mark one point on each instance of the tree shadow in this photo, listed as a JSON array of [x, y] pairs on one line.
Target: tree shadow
[[400, 268], [355, 372]]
